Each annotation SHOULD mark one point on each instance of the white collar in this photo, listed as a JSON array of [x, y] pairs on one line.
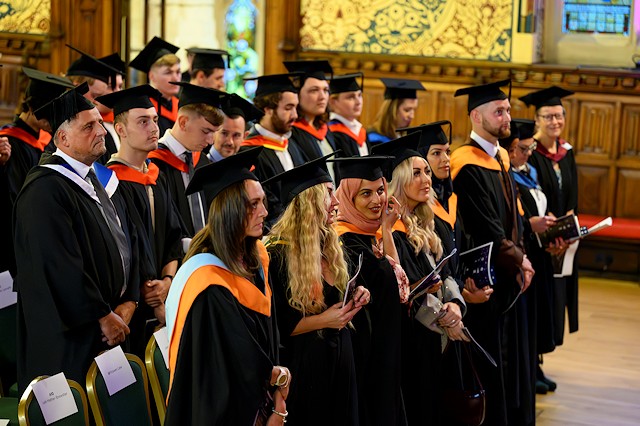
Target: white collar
[[353, 125], [269, 134], [173, 144], [80, 168], [488, 147]]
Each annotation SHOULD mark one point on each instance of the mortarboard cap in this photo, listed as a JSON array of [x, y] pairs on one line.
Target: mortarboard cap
[[215, 177], [43, 87], [370, 167], [192, 94], [207, 59], [430, 134], [296, 180], [115, 61], [480, 95], [520, 129], [65, 106], [233, 105], [90, 66], [275, 83], [514, 134], [401, 88], [153, 51], [316, 69], [346, 83], [401, 149], [134, 97], [546, 97]]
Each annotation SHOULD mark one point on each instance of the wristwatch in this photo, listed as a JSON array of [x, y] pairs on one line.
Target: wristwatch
[[282, 380]]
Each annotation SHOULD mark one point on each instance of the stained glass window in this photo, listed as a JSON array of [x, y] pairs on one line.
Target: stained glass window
[[241, 43]]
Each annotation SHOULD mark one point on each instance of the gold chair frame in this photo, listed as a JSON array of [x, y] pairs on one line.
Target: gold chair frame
[[28, 395], [154, 381]]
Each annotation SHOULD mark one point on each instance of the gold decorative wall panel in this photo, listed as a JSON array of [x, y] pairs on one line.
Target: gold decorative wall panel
[[463, 29], [25, 16]]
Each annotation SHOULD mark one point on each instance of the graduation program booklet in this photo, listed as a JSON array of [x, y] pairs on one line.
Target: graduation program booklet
[[350, 289], [432, 278], [566, 227], [476, 264]]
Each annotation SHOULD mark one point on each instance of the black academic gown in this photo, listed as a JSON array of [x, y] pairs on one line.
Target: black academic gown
[[224, 362], [175, 184], [347, 144], [560, 201], [154, 246], [324, 389], [268, 165], [111, 147], [487, 216], [377, 336], [165, 123], [69, 276], [309, 144]]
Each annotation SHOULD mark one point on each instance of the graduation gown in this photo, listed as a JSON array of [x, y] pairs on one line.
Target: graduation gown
[[560, 201], [158, 241], [224, 344], [488, 215], [308, 139], [324, 389], [70, 275], [171, 168], [268, 165], [27, 146], [377, 336], [167, 114], [346, 141], [422, 361], [376, 138]]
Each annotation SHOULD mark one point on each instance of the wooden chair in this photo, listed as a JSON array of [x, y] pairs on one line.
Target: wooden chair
[[29, 413], [130, 406], [158, 376]]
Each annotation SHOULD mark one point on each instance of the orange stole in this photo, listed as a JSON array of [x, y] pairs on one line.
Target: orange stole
[[43, 139], [172, 160], [128, 174], [108, 117], [447, 216], [170, 115], [360, 138], [243, 290], [471, 155], [346, 227], [268, 143], [319, 134]]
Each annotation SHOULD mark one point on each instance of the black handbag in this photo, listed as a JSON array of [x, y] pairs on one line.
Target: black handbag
[[466, 405]]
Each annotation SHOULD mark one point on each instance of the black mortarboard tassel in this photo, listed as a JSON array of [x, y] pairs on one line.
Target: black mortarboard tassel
[[550, 96], [215, 177], [207, 59], [370, 167], [401, 88], [401, 149], [192, 94], [134, 97], [346, 83], [296, 180], [275, 83], [234, 105], [43, 87], [65, 106], [153, 51], [317, 68], [430, 134], [480, 95]]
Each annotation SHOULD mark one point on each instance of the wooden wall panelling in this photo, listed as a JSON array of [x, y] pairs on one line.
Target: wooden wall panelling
[[282, 25], [593, 187], [629, 146], [596, 131], [627, 198]]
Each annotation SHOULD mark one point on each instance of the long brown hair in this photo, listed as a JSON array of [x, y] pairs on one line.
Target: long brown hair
[[224, 233]]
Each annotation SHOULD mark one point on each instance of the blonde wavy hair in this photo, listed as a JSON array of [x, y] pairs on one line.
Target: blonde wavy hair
[[420, 226], [309, 242]]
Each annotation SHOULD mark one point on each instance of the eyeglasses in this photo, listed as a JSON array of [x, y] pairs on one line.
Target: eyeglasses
[[528, 149], [549, 117]]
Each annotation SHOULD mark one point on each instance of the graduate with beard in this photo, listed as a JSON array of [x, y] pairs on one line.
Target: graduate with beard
[[159, 230], [223, 353], [277, 98], [488, 206]]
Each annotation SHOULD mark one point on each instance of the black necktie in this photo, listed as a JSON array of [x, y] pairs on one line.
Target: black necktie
[[195, 203], [109, 212]]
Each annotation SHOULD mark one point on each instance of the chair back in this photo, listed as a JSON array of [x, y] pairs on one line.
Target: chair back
[[129, 406], [158, 376], [29, 413]]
